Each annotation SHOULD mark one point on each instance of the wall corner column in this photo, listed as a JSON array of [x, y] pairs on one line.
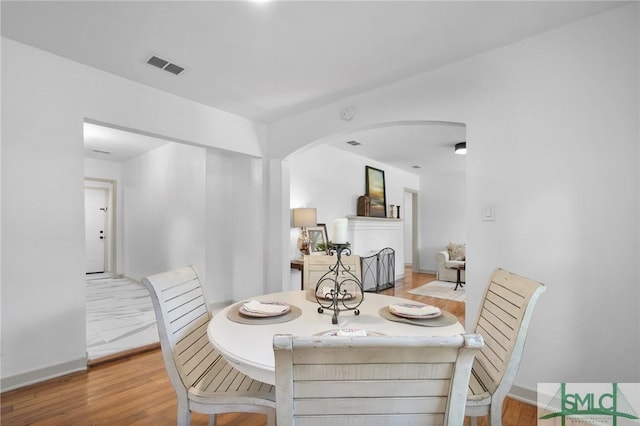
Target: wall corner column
[[277, 226]]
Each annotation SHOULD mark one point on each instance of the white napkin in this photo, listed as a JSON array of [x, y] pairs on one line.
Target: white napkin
[[265, 308], [411, 309], [326, 292], [351, 332]]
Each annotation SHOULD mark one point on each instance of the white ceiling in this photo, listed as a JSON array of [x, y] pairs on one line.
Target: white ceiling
[[110, 144], [428, 145], [266, 60]]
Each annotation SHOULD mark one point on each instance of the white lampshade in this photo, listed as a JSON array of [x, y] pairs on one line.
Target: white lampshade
[[304, 217]]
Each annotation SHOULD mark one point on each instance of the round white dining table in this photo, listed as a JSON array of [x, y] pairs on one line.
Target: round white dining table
[[249, 347]]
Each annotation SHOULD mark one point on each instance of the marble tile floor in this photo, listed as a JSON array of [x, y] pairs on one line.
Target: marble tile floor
[[120, 316]]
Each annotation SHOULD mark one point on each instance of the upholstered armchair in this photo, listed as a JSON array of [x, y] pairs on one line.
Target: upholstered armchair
[[448, 259]]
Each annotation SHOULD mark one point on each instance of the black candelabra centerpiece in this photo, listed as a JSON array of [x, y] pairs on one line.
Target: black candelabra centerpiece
[[339, 289]]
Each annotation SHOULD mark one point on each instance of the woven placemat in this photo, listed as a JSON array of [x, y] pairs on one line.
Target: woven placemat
[[443, 320], [234, 315]]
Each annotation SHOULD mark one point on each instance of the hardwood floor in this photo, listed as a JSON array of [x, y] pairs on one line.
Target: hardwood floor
[[135, 390]]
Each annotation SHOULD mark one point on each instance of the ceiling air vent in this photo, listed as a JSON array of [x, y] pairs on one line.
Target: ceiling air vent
[[416, 167], [163, 64], [101, 151], [157, 62], [173, 69], [354, 143]]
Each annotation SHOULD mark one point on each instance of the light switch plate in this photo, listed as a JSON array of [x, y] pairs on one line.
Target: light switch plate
[[488, 212]]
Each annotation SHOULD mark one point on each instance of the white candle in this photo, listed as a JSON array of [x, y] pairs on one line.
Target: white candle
[[340, 231]]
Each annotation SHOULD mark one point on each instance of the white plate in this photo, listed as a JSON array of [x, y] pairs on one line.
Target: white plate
[[249, 313], [411, 316]]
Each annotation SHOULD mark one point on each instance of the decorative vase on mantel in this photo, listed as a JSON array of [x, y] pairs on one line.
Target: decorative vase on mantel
[[392, 211], [398, 215], [364, 206]]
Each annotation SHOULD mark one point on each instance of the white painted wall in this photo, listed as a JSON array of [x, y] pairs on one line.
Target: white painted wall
[[331, 180], [248, 252], [235, 222], [43, 165], [406, 214], [42, 219], [552, 129], [219, 188], [442, 214], [164, 210]]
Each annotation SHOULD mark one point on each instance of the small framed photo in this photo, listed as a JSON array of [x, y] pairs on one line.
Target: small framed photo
[[318, 241]]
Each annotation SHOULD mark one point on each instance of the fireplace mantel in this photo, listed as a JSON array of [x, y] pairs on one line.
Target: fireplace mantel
[[369, 235], [373, 219]]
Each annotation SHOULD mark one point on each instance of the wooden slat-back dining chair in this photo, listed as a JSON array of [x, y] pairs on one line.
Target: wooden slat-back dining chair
[[316, 266], [204, 382], [372, 380], [503, 322]]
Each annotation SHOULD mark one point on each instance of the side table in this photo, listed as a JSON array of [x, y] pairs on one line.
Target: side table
[[459, 268]]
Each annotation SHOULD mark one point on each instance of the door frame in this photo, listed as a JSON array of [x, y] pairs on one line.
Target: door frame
[[110, 234], [415, 257]]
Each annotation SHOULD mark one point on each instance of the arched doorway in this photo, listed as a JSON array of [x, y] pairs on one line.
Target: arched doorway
[[328, 174]]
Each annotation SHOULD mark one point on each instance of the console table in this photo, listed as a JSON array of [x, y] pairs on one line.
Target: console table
[[298, 264]]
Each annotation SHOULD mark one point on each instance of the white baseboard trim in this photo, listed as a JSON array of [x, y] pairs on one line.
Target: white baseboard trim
[[42, 374], [427, 271], [216, 307], [525, 395]]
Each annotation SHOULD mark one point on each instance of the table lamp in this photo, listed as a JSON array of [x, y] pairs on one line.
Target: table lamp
[[303, 218]]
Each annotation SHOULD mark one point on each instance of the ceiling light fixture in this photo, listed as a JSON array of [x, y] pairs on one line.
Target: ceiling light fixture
[[353, 143], [460, 148]]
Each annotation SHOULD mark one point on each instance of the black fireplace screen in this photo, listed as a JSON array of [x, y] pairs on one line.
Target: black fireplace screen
[[379, 270]]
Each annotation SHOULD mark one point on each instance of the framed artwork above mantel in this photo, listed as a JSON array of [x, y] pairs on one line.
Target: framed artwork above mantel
[[375, 190]]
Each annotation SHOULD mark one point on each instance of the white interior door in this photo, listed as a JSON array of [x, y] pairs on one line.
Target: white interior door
[[95, 210]]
